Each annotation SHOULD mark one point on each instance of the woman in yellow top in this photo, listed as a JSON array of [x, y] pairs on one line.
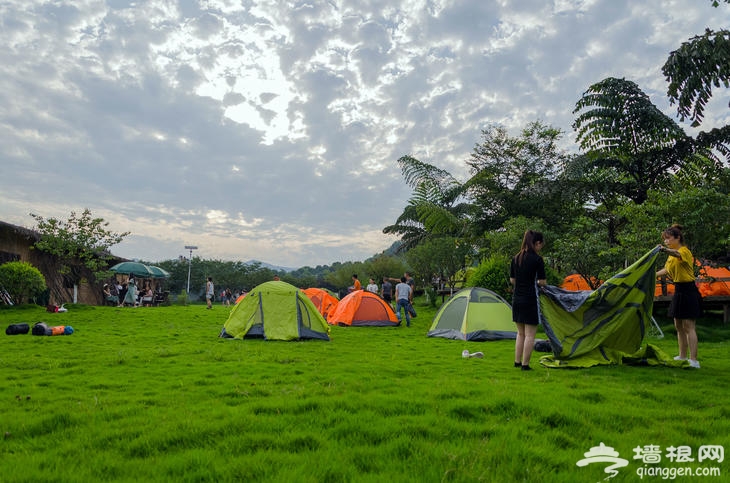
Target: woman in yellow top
[[687, 301]]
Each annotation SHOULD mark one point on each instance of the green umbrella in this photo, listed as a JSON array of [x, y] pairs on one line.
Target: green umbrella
[[133, 268], [158, 272]]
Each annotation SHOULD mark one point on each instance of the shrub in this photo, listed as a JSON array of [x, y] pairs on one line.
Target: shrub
[[22, 281], [493, 274], [182, 299]]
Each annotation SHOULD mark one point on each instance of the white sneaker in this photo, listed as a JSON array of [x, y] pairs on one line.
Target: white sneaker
[[478, 355], [465, 354], [693, 363], [680, 358]]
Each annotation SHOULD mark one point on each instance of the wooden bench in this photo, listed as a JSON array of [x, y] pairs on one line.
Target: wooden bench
[[710, 302]]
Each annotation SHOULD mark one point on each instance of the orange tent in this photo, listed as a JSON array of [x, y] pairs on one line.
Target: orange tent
[[322, 299], [714, 281], [363, 308], [710, 281], [575, 282]]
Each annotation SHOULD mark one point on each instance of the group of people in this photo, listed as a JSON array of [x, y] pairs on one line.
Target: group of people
[[527, 268], [123, 294], [402, 292]]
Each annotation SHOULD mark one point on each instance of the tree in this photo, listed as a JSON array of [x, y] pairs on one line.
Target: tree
[[436, 208], [81, 242], [698, 65], [443, 257], [21, 280], [631, 146], [519, 176]]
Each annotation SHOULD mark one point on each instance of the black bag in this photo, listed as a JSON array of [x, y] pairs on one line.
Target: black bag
[[41, 329], [15, 329]]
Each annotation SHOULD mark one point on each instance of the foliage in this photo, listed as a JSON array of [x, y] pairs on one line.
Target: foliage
[[80, 240], [384, 266], [436, 207], [513, 176], [341, 275], [631, 145], [441, 257], [704, 215], [22, 281], [698, 65], [493, 274]]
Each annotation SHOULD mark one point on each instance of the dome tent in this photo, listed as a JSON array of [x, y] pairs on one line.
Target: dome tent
[[275, 311], [476, 314], [322, 299], [363, 308]]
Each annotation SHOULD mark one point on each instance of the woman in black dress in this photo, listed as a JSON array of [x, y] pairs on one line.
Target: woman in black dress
[[526, 270]]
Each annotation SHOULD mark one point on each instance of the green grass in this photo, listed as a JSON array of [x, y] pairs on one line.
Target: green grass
[[151, 394]]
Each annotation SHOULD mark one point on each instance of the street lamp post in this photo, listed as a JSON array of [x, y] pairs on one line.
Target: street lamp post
[[190, 260]]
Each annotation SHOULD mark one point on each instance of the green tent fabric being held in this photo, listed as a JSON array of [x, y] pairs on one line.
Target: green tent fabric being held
[[605, 326], [275, 311]]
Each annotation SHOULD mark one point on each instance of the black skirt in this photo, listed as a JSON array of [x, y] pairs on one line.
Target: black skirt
[[686, 302], [525, 312]]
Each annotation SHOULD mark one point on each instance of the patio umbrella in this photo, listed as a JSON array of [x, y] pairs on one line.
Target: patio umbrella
[[158, 272], [133, 268]]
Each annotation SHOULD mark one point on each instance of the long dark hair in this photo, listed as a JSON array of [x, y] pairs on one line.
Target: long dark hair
[[528, 244]]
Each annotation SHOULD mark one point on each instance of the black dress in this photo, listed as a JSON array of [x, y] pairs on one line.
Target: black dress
[[524, 298]]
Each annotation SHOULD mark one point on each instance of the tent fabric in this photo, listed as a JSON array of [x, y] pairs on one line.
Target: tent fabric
[[474, 314], [322, 299], [276, 311], [363, 308], [606, 326], [714, 281], [576, 282]]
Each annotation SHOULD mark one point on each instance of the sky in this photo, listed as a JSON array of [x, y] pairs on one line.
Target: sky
[[271, 130]]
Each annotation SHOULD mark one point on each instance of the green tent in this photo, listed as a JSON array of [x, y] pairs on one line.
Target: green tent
[[605, 326], [474, 313], [275, 311]]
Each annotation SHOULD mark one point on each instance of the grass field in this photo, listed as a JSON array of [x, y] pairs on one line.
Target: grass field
[[151, 394]]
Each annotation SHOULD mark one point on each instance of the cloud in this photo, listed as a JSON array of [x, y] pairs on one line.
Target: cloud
[[271, 131]]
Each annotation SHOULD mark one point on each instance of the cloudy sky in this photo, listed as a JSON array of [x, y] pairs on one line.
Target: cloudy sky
[[270, 130]]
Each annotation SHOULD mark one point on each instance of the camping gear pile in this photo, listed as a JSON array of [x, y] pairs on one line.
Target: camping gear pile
[[40, 328]]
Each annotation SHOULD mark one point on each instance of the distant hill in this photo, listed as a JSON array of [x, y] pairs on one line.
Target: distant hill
[[276, 268]]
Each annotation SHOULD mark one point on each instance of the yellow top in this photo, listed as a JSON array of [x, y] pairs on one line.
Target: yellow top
[[680, 269]]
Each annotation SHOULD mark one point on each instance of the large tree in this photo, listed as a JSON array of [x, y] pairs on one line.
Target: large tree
[[520, 176], [80, 243]]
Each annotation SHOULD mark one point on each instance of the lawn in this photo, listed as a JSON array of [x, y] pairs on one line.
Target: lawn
[[151, 394]]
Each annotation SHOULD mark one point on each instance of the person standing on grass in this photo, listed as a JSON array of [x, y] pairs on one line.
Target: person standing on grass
[[412, 284], [526, 269], [386, 291], [686, 303], [209, 292], [402, 296]]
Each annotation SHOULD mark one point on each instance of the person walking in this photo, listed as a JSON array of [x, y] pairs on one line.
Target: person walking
[[209, 292], [686, 305], [526, 269], [402, 297]]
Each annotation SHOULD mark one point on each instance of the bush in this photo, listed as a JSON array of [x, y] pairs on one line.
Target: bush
[[182, 299], [493, 274], [22, 281]]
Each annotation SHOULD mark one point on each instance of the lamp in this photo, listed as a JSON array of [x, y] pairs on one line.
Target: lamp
[[190, 260]]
